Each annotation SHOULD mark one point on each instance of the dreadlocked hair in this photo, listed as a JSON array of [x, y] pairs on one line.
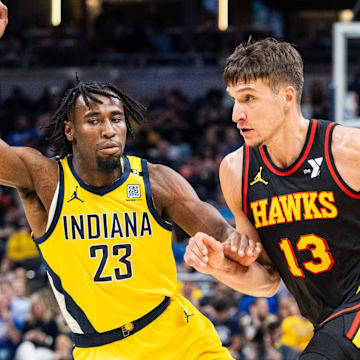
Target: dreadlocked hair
[[87, 90]]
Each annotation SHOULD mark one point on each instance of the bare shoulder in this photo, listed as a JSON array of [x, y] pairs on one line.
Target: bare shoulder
[[167, 182], [169, 189], [161, 177], [43, 172], [346, 139], [231, 166], [38, 164], [345, 148], [161, 186]]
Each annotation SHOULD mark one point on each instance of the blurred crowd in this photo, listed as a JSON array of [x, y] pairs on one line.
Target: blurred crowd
[[149, 38], [189, 135]]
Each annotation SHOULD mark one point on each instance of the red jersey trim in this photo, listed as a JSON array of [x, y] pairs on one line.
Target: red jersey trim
[[299, 162], [245, 177], [331, 167], [354, 326], [339, 313]]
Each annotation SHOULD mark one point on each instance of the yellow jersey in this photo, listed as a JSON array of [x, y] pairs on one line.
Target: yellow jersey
[[107, 251]]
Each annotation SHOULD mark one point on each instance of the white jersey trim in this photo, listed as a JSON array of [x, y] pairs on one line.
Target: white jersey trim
[[73, 324], [53, 206]]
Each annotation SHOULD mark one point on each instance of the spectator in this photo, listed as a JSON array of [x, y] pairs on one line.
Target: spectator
[[227, 326], [39, 332], [63, 348], [20, 304], [297, 331], [9, 327]]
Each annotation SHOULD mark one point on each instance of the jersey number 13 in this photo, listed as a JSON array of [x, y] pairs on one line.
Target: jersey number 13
[[322, 258]]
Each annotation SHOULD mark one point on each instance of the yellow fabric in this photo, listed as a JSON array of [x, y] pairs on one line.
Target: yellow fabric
[[20, 246], [169, 337], [149, 267], [356, 339], [297, 331]]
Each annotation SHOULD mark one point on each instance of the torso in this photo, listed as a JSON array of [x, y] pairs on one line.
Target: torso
[[299, 213], [105, 243]]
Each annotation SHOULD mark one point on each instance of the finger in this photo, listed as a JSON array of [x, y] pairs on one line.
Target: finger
[[192, 260], [197, 241], [211, 243], [258, 247], [234, 240], [227, 251], [195, 248], [226, 246], [250, 247]]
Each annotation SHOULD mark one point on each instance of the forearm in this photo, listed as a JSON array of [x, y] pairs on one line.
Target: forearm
[[256, 280], [213, 223]]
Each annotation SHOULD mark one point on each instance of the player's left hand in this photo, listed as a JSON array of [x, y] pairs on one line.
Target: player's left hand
[[3, 18], [239, 248]]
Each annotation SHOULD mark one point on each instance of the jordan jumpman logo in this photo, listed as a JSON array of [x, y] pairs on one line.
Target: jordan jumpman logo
[[74, 196], [258, 178]]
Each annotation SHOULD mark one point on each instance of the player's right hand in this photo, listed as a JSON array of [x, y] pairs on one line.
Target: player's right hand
[[241, 249], [3, 18], [204, 253]]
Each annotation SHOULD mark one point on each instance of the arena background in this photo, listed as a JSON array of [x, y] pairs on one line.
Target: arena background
[[169, 55]]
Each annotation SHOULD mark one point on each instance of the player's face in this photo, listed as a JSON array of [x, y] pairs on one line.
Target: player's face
[[98, 133], [258, 111]]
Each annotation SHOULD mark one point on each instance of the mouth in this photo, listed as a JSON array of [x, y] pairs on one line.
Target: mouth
[[109, 149], [244, 131]]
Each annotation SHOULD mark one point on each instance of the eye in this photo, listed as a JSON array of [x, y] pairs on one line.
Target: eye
[[249, 98], [93, 121], [117, 119]]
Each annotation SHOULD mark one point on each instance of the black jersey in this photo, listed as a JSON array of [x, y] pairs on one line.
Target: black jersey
[[309, 223]]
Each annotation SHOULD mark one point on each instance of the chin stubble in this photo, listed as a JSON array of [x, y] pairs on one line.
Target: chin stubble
[[108, 165]]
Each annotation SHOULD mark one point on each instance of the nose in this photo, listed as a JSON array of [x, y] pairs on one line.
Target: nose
[[238, 113], [108, 129]]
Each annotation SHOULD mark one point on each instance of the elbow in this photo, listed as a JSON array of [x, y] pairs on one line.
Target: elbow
[[270, 287], [274, 287]]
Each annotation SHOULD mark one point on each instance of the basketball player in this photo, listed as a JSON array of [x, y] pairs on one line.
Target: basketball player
[[100, 220], [297, 182]]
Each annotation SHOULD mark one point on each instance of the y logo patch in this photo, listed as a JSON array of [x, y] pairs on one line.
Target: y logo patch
[[315, 164]]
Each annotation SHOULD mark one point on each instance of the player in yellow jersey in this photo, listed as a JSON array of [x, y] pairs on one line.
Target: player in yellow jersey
[[100, 220]]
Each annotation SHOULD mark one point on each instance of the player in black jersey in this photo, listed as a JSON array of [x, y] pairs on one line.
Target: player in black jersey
[[296, 183]]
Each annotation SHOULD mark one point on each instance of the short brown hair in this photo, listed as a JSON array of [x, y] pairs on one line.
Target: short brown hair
[[277, 62]]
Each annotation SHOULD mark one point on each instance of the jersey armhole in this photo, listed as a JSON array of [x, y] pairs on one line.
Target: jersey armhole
[[331, 164], [149, 198], [55, 207], [245, 177]]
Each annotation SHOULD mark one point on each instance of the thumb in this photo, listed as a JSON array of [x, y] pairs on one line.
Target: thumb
[[211, 243]]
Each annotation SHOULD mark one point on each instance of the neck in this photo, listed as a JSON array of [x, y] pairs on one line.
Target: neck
[[91, 175], [287, 143]]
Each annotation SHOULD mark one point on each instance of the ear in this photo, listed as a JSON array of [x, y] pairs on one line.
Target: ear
[[69, 130], [288, 97]]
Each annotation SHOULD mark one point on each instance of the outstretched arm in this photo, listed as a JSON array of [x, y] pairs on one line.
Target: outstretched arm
[[175, 199], [226, 263], [3, 18]]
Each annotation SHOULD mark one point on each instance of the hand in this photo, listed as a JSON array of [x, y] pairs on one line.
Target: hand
[[241, 249], [205, 254], [3, 18]]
